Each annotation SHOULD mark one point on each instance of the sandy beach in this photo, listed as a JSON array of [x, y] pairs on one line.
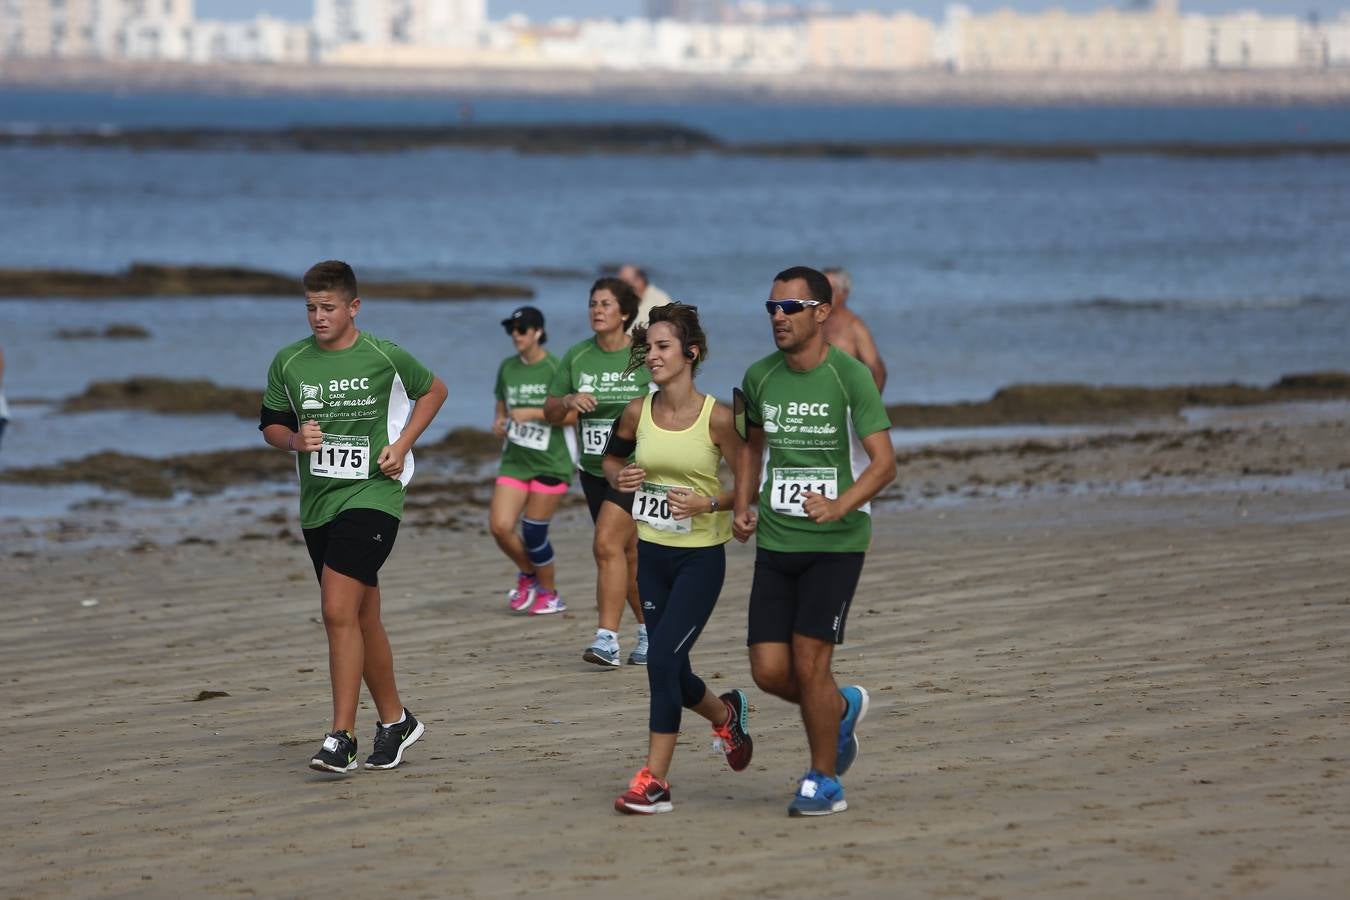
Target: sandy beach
[[1085, 689]]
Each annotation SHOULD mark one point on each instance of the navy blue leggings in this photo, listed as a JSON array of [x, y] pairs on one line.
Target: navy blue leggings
[[679, 588]]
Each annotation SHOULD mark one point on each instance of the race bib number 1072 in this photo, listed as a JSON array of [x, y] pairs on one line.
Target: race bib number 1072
[[530, 435]]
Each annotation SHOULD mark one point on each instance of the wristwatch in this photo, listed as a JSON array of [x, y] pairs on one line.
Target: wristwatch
[[712, 504]]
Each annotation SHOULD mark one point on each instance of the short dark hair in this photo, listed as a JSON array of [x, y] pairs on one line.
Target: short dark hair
[[629, 303], [331, 275], [816, 282]]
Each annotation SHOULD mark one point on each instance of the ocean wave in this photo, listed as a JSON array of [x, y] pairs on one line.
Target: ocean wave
[[1217, 304]]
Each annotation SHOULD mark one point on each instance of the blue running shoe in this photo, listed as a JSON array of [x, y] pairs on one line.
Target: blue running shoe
[[817, 795], [856, 701], [602, 653]]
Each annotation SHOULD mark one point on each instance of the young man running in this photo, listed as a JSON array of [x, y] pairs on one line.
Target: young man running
[[819, 415], [351, 406]]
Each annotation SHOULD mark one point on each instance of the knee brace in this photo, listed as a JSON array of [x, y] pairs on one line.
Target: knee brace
[[535, 535]]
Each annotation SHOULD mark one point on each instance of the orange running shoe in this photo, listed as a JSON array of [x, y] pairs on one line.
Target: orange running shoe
[[646, 795]]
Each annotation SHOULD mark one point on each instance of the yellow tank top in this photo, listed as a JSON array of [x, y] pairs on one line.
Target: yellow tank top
[[687, 459]]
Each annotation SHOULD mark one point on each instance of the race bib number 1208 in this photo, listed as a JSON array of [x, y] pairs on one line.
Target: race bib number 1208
[[652, 507]]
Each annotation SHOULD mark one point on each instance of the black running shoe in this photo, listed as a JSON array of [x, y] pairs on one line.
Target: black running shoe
[[392, 740], [338, 754], [733, 737]]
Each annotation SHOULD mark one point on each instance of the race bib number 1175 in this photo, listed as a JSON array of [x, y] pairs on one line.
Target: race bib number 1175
[[341, 456]]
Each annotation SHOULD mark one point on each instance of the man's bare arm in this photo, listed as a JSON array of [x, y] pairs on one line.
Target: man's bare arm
[[868, 354]]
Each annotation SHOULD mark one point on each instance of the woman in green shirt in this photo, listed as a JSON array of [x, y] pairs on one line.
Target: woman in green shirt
[[592, 382], [536, 465]]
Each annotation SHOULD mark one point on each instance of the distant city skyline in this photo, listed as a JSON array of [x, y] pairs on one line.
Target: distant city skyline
[[550, 9]]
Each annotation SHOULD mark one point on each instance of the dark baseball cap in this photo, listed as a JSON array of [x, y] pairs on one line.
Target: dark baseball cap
[[526, 316]]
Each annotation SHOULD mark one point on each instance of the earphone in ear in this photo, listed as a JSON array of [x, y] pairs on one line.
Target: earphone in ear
[[689, 354]]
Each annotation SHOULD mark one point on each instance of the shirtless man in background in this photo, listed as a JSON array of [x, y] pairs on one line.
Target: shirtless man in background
[[845, 330]]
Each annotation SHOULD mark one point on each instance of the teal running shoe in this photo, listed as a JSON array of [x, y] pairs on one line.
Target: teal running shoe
[[856, 701]]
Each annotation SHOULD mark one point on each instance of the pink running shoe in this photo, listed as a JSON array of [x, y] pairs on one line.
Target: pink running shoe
[[547, 602], [522, 595]]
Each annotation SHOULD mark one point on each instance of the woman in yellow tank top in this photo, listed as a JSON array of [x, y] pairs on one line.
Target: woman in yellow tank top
[[680, 437]]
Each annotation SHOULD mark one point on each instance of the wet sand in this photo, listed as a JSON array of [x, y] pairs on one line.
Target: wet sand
[[1094, 695]]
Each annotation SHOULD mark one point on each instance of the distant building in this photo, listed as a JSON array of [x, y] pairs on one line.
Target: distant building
[[72, 29], [338, 22], [264, 39], [1105, 40], [1335, 41], [870, 41], [1242, 41], [396, 24], [688, 10]]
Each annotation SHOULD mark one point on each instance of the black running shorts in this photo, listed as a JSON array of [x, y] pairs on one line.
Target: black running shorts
[[801, 593], [355, 543], [598, 490]]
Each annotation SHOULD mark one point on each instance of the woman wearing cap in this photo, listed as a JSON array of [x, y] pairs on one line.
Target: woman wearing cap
[[594, 384], [536, 465], [676, 439]]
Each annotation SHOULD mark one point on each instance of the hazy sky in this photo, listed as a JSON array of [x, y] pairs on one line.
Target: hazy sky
[[546, 9]]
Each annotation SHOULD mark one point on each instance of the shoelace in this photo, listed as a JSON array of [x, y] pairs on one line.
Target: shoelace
[[385, 735], [725, 738], [641, 781]]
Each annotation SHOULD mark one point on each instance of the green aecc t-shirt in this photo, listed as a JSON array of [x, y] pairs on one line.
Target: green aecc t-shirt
[[813, 423], [535, 448], [361, 398], [586, 369]]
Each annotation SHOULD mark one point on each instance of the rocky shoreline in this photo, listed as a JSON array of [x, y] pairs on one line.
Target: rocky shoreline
[[1140, 436], [148, 280], [624, 139]]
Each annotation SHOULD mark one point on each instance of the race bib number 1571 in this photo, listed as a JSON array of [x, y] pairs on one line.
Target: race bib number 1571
[[595, 435]]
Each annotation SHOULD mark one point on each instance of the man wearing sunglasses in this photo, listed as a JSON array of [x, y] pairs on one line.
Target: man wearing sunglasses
[[817, 414]]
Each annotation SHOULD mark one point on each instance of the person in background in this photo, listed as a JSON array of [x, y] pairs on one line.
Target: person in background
[[649, 294], [4, 408], [593, 384], [846, 330], [536, 465]]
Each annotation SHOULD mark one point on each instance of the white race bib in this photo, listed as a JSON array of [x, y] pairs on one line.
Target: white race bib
[[789, 486], [342, 456], [530, 435], [651, 506], [595, 435]]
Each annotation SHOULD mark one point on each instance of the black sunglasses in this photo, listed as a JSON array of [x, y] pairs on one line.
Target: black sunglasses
[[789, 307], [516, 327]]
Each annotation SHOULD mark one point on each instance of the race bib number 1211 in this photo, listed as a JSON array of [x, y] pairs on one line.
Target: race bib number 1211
[[788, 490]]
